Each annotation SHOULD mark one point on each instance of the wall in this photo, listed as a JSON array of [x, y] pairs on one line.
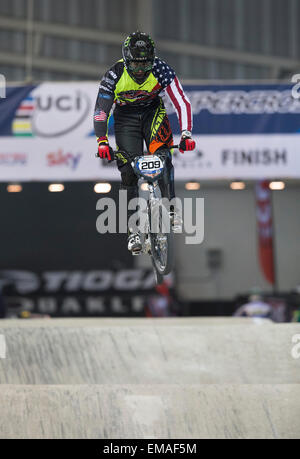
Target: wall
[[230, 225], [287, 217], [262, 27]]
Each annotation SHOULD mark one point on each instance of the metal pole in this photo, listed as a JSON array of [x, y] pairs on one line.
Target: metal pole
[[275, 285], [29, 41]]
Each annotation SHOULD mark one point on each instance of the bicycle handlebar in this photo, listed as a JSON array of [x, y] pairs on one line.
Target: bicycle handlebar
[[121, 151]]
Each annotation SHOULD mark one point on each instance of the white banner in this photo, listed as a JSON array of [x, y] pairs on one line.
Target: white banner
[[216, 157], [240, 157], [47, 135]]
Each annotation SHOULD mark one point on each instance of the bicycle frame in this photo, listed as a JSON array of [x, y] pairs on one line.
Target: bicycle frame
[[157, 244], [151, 199]]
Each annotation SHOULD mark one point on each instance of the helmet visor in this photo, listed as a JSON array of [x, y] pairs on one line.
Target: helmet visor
[[140, 66]]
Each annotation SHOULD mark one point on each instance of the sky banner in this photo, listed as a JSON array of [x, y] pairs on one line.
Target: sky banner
[[241, 131]]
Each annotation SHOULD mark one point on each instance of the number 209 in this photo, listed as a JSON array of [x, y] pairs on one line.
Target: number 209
[[150, 165]]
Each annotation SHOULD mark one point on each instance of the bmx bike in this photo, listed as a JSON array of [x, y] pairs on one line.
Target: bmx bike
[[156, 235]]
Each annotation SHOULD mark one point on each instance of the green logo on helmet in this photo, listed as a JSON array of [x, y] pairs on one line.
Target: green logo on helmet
[[127, 41]]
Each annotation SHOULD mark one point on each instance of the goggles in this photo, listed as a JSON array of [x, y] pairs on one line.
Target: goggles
[[137, 66]]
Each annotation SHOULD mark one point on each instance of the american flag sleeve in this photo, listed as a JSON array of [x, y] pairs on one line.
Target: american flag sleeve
[[101, 114], [181, 104]]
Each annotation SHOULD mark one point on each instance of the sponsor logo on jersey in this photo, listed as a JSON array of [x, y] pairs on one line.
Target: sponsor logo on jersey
[[112, 74], [138, 95], [105, 88], [109, 81]]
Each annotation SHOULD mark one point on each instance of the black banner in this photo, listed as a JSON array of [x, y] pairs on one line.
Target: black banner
[[43, 231], [78, 293]]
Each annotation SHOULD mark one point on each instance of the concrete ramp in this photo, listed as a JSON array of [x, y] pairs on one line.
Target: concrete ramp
[[164, 378], [132, 322], [157, 354], [160, 411]]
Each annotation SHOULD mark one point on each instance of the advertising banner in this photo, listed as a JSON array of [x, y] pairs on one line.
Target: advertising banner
[[108, 292], [241, 131]]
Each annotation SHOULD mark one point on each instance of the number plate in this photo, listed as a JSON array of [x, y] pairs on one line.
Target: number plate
[[150, 166]]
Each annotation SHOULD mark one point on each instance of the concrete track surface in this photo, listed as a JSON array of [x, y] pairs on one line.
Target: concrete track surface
[[142, 378]]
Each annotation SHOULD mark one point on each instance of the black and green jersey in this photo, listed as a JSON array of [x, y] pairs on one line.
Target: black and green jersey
[[118, 87]]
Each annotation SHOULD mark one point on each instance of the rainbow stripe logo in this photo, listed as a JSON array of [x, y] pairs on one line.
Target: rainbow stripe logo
[[22, 123]]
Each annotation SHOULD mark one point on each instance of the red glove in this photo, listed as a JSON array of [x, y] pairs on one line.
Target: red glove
[[105, 151], [186, 142]]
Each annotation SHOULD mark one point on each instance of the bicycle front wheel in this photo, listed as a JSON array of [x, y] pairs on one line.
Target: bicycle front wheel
[[161, 237]]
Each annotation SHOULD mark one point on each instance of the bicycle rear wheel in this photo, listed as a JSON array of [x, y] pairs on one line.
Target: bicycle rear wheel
[[161, 237]]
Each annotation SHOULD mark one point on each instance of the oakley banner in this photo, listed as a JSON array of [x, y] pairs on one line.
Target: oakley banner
[[107, 292], [241, 131]]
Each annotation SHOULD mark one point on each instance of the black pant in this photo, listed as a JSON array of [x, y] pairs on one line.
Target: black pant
[[132, 127]]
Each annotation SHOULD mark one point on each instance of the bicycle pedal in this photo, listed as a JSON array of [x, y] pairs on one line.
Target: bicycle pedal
[[177, 228], [176, 222]]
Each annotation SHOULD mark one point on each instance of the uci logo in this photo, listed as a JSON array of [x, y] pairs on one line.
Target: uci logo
[[58, 109], [63, 103]]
